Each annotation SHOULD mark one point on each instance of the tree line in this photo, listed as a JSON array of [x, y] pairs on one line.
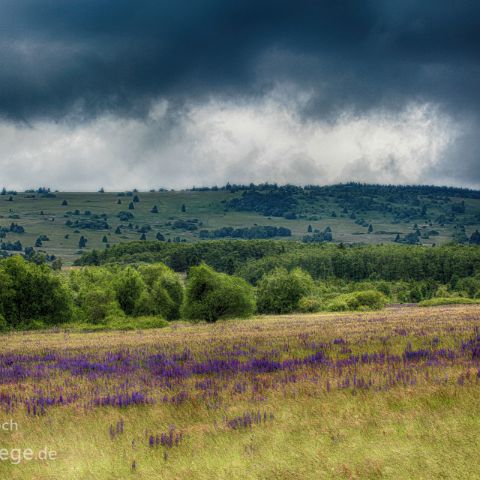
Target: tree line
[[251, 259], [35, 296]]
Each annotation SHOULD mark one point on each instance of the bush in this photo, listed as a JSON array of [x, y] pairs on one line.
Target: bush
[[32, 292], [120, 323], [211, 295], [101, 294], [365, 300], [94, 295], [339, 304], [470, 286], [99, 304], [309, 305], [165, 289], [280, 291], [3, 324], [130, 290], [143, 322], [385, 288], [449, 301]]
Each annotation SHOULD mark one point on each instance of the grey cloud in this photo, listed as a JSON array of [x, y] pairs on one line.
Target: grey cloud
[[116, 55], [75, 63]]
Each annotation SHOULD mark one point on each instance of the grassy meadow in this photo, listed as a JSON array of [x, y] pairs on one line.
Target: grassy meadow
[[41, 214], [388, 394]]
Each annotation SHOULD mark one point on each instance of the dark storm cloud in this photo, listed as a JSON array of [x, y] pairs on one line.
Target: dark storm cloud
[[209, 91], [83, 58]]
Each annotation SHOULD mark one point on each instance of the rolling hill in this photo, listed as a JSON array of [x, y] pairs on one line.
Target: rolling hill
[[55, 222]]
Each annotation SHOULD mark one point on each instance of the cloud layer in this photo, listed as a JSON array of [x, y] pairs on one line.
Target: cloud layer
[[148, 93], [212, 143]]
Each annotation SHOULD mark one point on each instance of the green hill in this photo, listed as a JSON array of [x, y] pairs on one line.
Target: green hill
[[55, 222]]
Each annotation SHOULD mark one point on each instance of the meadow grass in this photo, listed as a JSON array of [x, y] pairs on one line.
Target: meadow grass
[[390, 394]]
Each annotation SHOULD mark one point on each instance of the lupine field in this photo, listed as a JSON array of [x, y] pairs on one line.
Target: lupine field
[[392, 394]]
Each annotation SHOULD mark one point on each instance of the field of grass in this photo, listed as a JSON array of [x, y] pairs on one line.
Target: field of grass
[[391, 394], [40, 215]]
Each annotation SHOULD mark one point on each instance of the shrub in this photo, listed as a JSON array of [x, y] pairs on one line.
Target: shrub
[[449, 301], [130, 290], [142, 322], [309, 305], [120, 323], [211, 295], [280, 291], [385, 288], [364, 300], [470, 286], [94, 295], [32, 292], [101, 294], [165, 290], [338, 304], [99, 304], [370, 299], [3, 324]]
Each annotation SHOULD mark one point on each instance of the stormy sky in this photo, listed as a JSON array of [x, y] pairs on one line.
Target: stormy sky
[[162, 93]]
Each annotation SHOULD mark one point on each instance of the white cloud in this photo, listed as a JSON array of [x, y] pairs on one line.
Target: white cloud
[[238, 141]]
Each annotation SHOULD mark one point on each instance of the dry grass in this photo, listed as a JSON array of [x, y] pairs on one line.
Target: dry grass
[[392, 394]]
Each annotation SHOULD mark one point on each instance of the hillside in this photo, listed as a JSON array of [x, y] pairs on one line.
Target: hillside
[[55, 222]]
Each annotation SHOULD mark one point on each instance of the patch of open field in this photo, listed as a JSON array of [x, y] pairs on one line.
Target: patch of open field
[[391, 394]]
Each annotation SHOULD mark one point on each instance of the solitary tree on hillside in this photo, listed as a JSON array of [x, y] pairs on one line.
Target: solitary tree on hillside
[[57, 264], [475, 238]]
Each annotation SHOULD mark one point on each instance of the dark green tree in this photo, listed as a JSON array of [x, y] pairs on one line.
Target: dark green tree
[[211, 295], [31, 292], [280, 291]]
